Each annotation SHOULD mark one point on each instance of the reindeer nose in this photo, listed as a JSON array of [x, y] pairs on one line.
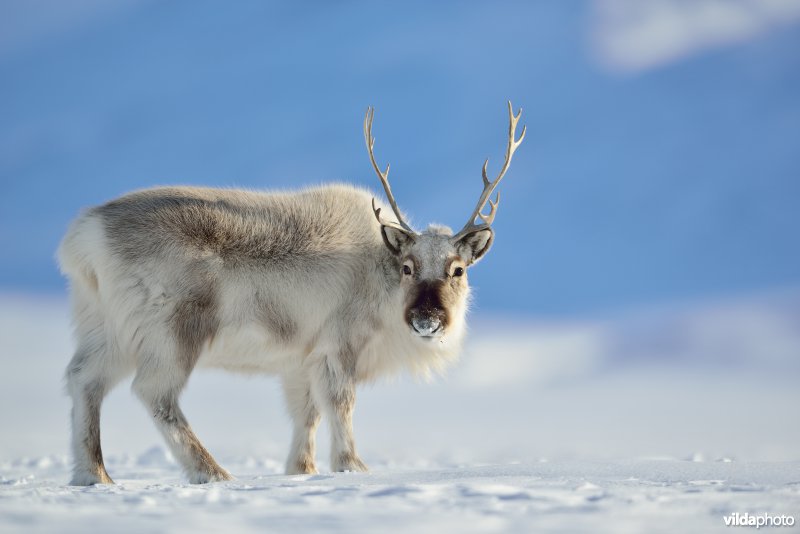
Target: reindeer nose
[[425, 326]]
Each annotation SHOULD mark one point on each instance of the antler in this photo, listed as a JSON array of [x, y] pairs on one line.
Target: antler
[[489, 186], [384, 176]]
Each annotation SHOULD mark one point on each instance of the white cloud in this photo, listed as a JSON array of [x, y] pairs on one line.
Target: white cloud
[[635, 35]]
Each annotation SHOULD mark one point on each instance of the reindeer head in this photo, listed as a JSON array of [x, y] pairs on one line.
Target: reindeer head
[[434, 262]]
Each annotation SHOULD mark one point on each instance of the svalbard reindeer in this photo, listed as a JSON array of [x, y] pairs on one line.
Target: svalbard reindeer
[[305, 285]]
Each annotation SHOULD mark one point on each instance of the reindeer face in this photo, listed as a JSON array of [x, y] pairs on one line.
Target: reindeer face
[[433, 275], [434, 263]]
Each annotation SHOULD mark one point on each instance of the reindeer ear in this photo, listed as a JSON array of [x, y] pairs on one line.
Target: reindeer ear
[[396, 239], [475, 244]]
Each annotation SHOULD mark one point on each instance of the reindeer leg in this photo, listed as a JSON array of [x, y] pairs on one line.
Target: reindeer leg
[[305, 416], [333, 388]]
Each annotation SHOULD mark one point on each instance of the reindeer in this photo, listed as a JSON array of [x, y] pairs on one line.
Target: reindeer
[[305, 285]]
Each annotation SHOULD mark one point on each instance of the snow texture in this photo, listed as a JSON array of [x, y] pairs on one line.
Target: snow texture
[[560, 496]]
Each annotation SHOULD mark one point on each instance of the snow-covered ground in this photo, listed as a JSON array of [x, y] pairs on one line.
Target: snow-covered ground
[[664, 420], [663, 495]]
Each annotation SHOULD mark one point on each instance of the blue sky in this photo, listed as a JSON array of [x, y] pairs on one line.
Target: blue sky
[[643, 179]]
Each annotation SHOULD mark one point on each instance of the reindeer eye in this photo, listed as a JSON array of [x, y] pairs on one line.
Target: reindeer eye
[[406, 269], [458, 271]]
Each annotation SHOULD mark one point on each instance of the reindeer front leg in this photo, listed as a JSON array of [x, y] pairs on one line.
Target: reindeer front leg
[[333, 387], [305, 417]]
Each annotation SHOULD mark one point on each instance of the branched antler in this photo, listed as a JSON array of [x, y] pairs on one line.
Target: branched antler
[[489, 186], [384, 176]]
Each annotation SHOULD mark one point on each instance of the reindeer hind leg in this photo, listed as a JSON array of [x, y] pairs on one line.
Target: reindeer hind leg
[[90, 376], [164, 368]]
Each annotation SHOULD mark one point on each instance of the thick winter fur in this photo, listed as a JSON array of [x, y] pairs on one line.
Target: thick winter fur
[[303, 285]]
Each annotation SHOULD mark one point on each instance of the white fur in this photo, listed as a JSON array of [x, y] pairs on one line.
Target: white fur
[[122, 312]]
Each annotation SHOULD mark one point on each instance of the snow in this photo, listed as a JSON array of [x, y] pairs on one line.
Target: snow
[[660, 421], [557, 496]]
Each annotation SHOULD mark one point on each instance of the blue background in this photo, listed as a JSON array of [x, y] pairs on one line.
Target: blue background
[[631, 189]]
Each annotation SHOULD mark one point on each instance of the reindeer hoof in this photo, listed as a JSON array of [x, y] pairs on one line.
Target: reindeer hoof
[[349, 462]]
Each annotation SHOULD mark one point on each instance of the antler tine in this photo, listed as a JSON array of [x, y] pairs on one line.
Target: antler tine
[[377, 212], [490, 185], [489, 218], [384, 176]]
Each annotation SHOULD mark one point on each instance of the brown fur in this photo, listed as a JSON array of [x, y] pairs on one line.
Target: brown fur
[[275, 319], [428, 299], [170, 417], [195, 322], [94, 397]]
